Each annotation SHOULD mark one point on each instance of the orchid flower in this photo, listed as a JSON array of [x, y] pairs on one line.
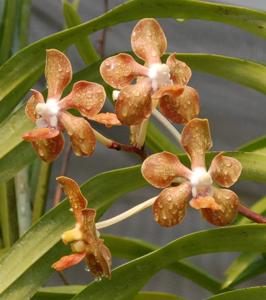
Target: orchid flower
[[156, 82], [51, 117], [219, 206], [84, 238]]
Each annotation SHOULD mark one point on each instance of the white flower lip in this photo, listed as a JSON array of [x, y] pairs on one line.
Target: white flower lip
[[159, 75], [48, 113]]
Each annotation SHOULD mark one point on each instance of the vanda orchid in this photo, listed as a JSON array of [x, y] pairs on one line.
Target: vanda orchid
[[44, 239]]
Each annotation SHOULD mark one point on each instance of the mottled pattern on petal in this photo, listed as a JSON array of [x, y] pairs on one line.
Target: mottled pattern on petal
[[229, 202], [68, 261], [134, 103], [40, 134], [225, 170], [148, 40], [49, 149], [119, 70], [196, 140], [170, 207], [36, 98], [87, 97], [180, 71], [98, 255], [205, 202], [77, 201], [161, 169], [177, 106], [58, 73], [81, 134], [108, 119]]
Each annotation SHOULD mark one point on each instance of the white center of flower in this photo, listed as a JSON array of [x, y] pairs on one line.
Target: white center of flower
[[159, 75], [201, 182], [48, 113], [115, 95]]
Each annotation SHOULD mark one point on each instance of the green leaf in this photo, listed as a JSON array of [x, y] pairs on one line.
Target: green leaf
[[129, 248], [129, 278], [257, 145], [8, 30], [254, 293], [24, 68], [32, 256], [84, 46], [67, 292]]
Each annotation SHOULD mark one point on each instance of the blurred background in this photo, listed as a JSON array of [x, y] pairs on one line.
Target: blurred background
[[236, 115]]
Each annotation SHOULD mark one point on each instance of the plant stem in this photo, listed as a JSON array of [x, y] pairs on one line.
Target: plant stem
[[63, 170], [132, 211], [102, 39], [162, 119], [118, 146], [245, 211]]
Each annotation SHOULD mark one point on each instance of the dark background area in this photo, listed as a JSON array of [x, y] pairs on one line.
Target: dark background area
[[236, 115]]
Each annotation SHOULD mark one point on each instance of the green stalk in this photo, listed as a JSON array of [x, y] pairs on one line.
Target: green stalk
[[8, 215]]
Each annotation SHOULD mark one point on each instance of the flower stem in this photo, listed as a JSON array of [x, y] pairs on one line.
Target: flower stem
[[162, 119], [132, 211], [118, 146], [246, 212]]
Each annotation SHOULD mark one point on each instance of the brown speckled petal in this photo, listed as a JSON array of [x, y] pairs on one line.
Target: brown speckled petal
[[58, 73], [87, 97], [77, 201], [179, 107], [161, 169], [81, 134], [196, 140], [119, 70], [134, 103], [36, 98], [49, 149], [98, 256], [148, 40], [170, 207], [40, 134], [180, 71], [68, 261], [229, 202], [225, 170], [108, 119]]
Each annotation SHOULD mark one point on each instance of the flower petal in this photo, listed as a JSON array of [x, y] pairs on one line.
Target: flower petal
[[58, 73], [98, 255], [225, 170], [148, 40], [204, 202], [180, 71], [108, 119], [87, 97], [49, 149], [228, 202], [36, 98], [177, 106], [170, 207], [68, 261], [161, 169], [196, 140], [81, 134], [77, 201], [119, 70], [134, 103], [40, 134]]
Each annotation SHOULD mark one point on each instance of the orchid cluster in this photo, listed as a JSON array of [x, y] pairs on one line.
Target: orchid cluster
[[140, 89]]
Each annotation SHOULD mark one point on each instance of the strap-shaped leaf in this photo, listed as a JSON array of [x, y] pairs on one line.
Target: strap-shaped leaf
[[24, 68]]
